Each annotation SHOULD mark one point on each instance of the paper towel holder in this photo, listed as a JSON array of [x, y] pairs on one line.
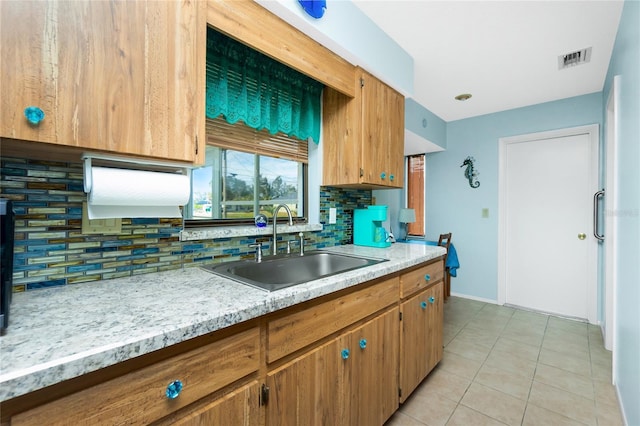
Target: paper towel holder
[[142, 164]]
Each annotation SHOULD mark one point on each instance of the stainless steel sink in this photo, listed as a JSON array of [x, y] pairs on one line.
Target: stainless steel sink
[[281, 271]]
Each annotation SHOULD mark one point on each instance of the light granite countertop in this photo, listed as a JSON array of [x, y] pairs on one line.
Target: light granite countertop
[[60, 333]]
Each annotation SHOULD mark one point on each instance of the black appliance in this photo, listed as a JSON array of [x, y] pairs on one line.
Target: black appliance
[[7, 227]]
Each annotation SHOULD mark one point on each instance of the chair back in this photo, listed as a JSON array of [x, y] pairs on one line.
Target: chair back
[[445, 240]]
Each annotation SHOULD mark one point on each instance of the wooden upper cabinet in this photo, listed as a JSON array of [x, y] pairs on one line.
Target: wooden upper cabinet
[[364, 136], [118, 76], [382, 133]]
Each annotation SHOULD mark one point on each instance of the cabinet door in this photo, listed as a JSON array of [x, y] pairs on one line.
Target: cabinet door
[[382, 133], [352, 380], [341, 150], [421, 337], [375, 370], [311, 389], [121, 76], [435, 300], [395, 128], [240, 408], [374, 134]]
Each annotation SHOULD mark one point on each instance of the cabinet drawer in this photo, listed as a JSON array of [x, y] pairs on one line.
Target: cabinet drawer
[[139, 397], [421, 277], [312, 321]]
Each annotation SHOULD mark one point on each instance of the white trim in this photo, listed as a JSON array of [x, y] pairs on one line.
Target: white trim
[[479, 299], [611, 220], [593, 132]]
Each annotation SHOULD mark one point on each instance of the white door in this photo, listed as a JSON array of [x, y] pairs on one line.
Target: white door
[[548, 252]]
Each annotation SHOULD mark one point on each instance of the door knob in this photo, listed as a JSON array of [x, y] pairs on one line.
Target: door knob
[[582, 236]]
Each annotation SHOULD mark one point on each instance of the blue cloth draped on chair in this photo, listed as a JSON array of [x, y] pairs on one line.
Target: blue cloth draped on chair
[[452, 257]]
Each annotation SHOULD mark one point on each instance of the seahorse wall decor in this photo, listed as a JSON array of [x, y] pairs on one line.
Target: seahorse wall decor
[[470, 172]]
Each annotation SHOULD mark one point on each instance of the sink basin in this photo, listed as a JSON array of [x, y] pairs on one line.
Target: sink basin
[[281, 271]]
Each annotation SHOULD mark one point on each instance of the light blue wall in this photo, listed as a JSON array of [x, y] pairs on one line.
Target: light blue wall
[[625, 62], [436, 128], [453, 206]]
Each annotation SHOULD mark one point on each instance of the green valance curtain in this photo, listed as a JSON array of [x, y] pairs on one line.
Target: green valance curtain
[[243, 84]]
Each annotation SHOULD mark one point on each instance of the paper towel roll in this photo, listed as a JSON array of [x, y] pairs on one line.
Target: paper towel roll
[[136, 193]]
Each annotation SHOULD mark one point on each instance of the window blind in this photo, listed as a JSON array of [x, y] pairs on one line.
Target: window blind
[[243, 138]]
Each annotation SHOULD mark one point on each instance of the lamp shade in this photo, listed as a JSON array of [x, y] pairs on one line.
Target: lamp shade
[[407, 216]]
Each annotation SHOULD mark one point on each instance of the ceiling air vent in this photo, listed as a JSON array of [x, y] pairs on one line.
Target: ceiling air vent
[[574, 58]]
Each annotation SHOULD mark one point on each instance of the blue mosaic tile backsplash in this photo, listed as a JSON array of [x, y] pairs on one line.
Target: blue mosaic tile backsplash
[[50, 249]]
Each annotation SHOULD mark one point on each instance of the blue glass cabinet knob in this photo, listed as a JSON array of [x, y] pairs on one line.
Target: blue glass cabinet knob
[[344, 353], [423, 305], [432, 299], [34, 115], [173, 389], [427, 277], [363, 343]]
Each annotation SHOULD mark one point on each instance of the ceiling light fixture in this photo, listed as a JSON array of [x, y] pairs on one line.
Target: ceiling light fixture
[[463, 97]]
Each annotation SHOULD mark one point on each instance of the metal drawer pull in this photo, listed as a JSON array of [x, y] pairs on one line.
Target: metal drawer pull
[[173, 389]]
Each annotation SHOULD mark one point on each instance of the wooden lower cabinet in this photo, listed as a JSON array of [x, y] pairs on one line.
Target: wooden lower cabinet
[[339, 360], [138, 398], [350, 380], [375, 379], [239, 408], [420, 337]]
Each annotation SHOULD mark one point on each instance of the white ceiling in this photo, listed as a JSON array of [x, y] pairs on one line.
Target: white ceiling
[[505, 53]]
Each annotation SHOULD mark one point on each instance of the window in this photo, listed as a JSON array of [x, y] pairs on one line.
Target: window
[[261, 116], [415, 193], [240, 185], [247, 172]]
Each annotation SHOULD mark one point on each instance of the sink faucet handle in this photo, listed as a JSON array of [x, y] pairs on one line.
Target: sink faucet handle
[[258, 247], [301, 236]]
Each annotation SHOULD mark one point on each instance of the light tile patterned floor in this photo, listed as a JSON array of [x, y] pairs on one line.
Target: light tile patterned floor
[[514, 367]]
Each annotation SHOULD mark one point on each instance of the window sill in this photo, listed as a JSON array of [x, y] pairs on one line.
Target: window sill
[[192, 234]]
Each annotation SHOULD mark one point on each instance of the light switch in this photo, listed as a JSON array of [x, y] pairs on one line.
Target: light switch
[[332, 215], [485, 212]]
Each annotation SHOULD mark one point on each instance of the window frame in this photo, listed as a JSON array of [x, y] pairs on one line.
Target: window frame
[[416, 196], [201, 223]]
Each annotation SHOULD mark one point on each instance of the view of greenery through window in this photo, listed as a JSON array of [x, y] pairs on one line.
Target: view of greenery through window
[[237, 185]]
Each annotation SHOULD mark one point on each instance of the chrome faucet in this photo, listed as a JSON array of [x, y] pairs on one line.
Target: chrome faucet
[[301, 236], [258, 247], [274, 250]]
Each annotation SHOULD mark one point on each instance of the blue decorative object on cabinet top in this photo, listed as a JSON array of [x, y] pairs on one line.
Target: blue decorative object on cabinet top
[[314, 8]]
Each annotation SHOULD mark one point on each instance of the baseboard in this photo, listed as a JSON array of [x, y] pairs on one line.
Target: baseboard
[[479, 299], [620, 407]]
